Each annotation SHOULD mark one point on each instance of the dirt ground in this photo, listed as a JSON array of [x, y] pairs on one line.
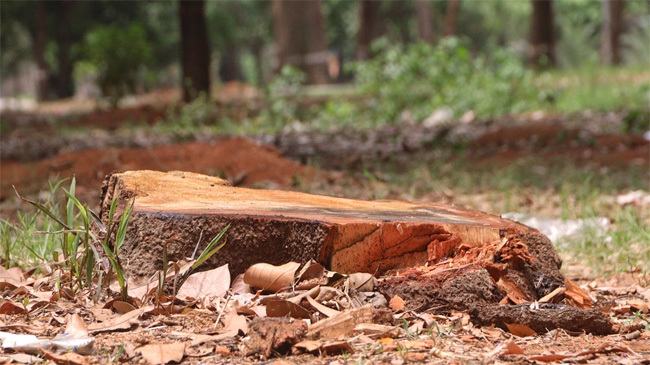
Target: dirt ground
[[29, 160], [33, 151], [241, 161]]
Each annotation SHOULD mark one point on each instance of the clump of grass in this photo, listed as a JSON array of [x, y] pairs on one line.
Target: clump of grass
[[77, 240], [622, 247], [113, 253]]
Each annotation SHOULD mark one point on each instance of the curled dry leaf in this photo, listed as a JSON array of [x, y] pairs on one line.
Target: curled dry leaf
[[76, 327], [342, 324], [325, 310], [311, 270], [122, 307], [362, 281], [269, 277], [239, 286]]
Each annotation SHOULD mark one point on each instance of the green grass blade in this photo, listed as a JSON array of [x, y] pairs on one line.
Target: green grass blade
[[209, 252], [43, 209], [120, 235]]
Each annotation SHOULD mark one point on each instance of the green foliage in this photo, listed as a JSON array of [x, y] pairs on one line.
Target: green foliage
[[422, 78], [188, 119], [118, 54], [283, 96], [622, 247]]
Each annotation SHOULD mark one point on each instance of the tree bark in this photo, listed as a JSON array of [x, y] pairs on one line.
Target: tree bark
[[299, 32], [424, 15], [612, 28], [449, 28], [371, 27], [542, 34], [195, 51]]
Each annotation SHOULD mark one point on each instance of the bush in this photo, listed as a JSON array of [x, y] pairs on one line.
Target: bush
[[118, 54], [422, 78]]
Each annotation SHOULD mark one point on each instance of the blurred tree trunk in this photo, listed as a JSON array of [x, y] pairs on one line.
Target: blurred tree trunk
[[424, 15], [542, 34], [299, 32], [612, 28], [449, 27], [62, 83], [230, 67], [371, 27], [195, 51], [40, 40]]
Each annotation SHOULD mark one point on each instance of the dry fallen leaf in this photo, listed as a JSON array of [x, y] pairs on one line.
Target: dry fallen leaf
[[512, 348], [270, 277], [215, 282], [362, 281], [520, 330], [239, 286], [378, 330], [327, 311], [342, 324], [123, 322], [310, 346], [234, 323], [397, 304], [68, 358], [162, 353], [282, 308], [311, 270], [122, 307], [639, 305], [76, 327], [9, 307]]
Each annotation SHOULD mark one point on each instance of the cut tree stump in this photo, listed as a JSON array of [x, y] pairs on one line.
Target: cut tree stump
[[276, 227], [441, 258]]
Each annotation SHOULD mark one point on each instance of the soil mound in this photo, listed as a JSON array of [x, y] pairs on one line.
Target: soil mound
[[242, 161]]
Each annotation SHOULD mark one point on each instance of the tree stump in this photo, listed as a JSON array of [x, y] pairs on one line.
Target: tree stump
[[186, 209], [441, 258]]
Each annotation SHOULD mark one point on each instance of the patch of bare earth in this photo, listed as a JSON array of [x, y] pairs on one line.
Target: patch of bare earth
[[240, 160]]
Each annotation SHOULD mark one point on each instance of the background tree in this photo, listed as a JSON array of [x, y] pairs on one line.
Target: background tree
[[299, 32], [542, 34], [195, 51], [424, 15], [371, 26], [451, 15], [612, 28]]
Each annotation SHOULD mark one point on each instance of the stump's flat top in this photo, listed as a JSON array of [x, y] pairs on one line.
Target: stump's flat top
[[188, 193]]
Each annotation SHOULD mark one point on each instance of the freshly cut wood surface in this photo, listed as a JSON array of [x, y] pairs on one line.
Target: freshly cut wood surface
[[275, 226]]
